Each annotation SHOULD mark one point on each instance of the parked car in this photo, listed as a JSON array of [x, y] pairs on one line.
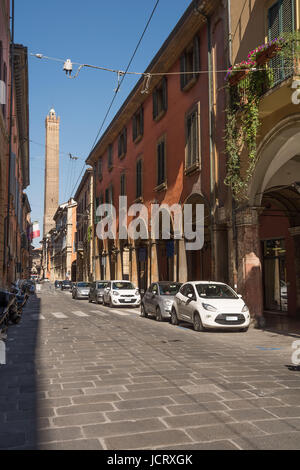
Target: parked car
[[121, 293], [81, 290], [66, 285], [208, 304], [96, 291], [57, 284], [158, 299]]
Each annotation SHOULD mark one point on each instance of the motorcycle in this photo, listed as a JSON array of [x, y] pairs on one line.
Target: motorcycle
[[8, 310], [20, 298]]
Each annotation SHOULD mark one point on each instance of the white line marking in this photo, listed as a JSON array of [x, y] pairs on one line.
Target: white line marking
[[125, 314], [59, 315], [99, 312], [37, 316], [80, 314]]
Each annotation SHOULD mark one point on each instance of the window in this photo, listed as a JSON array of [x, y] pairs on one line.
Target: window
[[122, 143], [110, 157], [189, 65], [161, 162], [100, 175], [123, 185], [192, 148], [109, 195], [281, 19], [139, 176], [138, 125], [160, 99]]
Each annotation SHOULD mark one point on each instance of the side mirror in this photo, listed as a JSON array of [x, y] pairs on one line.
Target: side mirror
[[190, 296], [239, 296]]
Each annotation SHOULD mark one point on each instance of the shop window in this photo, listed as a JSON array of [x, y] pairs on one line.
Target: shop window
[[275, 277]]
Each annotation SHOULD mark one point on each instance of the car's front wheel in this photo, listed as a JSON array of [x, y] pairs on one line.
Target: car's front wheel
[[158, 314], [174, 319], [198, 323], [143, 311]]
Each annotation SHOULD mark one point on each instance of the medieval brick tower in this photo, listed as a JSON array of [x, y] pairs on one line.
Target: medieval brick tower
[[51, 170]]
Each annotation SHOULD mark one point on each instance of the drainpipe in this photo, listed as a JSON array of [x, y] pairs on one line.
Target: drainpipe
[[210, 119], [233, 203], [12, 50], [211, 145]]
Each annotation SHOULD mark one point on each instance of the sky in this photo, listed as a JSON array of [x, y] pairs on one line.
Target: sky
[[96, 32]]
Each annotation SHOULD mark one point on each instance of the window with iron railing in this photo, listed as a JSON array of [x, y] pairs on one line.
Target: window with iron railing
[[281, 19]]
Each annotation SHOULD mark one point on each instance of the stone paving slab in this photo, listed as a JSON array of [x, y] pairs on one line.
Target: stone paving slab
[[125, 382]]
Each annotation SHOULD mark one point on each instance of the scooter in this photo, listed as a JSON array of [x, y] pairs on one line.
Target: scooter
[[8, 310]]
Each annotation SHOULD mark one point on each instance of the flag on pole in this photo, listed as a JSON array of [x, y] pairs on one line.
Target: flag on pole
[[35, 230]]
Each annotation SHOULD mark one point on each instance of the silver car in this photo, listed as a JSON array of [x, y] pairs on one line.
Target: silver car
[[96, 291], [81, 290], [158, 299]]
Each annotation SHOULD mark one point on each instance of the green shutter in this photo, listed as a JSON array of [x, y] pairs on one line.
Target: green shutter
[[196, 57], [165, 93], [134, 129], [154, 96], [142, 121], [182, 72], [281, 20]]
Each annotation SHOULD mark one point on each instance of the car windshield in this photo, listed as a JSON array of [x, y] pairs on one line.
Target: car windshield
[[215, 291], [83, 284], [67, 282], [169, 289], [101, 285], [122, 285]]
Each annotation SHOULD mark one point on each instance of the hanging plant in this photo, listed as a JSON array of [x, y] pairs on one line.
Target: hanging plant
[[242, 128], [238, 72], [262, 54]]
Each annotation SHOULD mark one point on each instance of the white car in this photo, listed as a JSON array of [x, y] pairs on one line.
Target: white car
[[121, 292], [208, 304]]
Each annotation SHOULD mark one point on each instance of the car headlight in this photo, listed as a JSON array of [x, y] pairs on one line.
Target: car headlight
[[209, 307], [245, 308], [115, 292], [137, 292]]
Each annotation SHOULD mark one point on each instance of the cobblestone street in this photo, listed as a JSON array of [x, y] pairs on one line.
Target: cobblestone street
[[84, 376]]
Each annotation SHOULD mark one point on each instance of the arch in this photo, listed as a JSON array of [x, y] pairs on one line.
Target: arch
[[278, 147]]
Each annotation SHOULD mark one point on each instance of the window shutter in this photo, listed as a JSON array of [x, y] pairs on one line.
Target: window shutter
[[134, 129], [182, 72], [287, 16], [142, 121], [196, 57], [139, 178], [165, 93], [281, 20], [119, 146], [154, 95], [125, 139]]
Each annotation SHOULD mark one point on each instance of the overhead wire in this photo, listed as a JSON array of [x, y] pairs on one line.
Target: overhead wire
[[118, 87]]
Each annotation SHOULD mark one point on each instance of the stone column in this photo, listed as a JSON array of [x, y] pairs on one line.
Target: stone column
[[249, 262], [295, 232], [133, 263], [119, 273], [153, 264], [182, 262]]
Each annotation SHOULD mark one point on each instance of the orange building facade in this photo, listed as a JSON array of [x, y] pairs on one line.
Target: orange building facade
[[165, 146]]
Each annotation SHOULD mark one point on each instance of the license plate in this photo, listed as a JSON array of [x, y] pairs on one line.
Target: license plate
[[231, 318]]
